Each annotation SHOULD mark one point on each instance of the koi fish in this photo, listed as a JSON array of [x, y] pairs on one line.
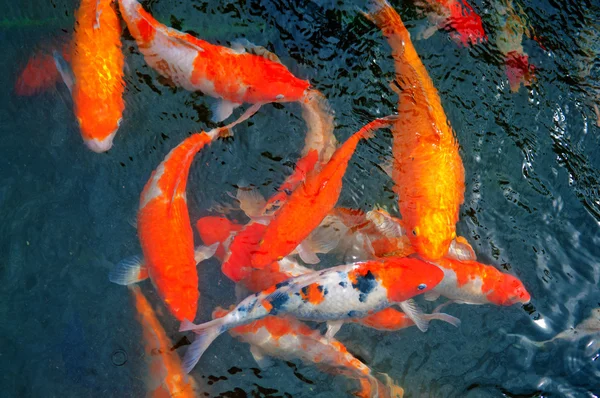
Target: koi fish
[[217, 230], [337, 293], [167, 378], [288, 339], [310, 202], [40, 72], [459, 18], [471, 282], [96, 80], [509, 40], [257, 280], [232, 75], [164, 228], [428, 172]]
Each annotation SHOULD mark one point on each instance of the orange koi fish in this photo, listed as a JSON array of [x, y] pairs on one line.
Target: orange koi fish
[[310, 202], [164, 229], [232, 75], [428, 172], [335, 294], [40, 72], [288, 339], [96, 80], [471, 282], [167, 378]]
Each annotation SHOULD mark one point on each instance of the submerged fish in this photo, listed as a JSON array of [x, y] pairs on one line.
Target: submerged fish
[[235, 76], [509, 40], [165, 232], [428, 172], [96, 80], [308, 205], [458, 17], [339, 293], [288, 339], [167, 378], [40, 72]]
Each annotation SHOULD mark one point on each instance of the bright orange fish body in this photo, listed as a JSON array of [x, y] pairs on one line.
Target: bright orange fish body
[[428, 172], [165, 232], [97, 63], [167, 378], [471, 282], [288, 339], [310, 202], [234, 76]]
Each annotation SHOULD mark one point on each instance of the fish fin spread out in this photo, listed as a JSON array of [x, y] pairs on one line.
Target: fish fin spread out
[[206, 334], [412, 310], [307, 255], [261, 359], [128, 271], [222, 109], [251, 201], [388, 167], [431, 296], [243, 45], [328, 235], [132, 220], [65, 70], [332, 328], [202, 253], [461, 250], [440, 316]]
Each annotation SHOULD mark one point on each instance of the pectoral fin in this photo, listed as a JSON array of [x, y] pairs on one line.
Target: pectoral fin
[[202, 253], [332, 328], [251, 201], [222, 109], [128, 271], [262, 361], [307, 255], [412, 310], [65, 70]]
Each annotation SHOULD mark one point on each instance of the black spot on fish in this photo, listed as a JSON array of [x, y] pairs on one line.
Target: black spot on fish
[[353, 314], [325, 292], [282, 284], [365, 284], [278, 302], [343, 284], [362, 297], [304, 291]]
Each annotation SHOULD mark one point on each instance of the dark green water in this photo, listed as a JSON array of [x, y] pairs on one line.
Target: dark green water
[[532, 200]]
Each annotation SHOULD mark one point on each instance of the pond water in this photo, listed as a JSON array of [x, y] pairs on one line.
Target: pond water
[[532, 199]]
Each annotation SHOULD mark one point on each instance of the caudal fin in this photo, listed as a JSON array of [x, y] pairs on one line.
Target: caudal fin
[[440, 316], [206, 334]]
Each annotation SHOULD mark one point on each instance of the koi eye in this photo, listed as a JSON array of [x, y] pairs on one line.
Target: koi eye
[[422, 286], [414, 231]]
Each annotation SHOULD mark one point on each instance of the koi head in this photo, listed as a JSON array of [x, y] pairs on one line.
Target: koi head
[[98, 121], [508, 291], [280, 85], [407, 277]]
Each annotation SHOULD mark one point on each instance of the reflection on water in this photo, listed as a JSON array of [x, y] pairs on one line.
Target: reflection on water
[[532, 200]]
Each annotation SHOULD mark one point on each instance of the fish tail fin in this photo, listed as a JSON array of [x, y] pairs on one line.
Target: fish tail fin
[[206, 334], [387, 387], [202, 252], [374, 8]]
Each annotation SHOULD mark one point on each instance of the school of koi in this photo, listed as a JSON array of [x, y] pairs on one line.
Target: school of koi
[[394, 259]]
